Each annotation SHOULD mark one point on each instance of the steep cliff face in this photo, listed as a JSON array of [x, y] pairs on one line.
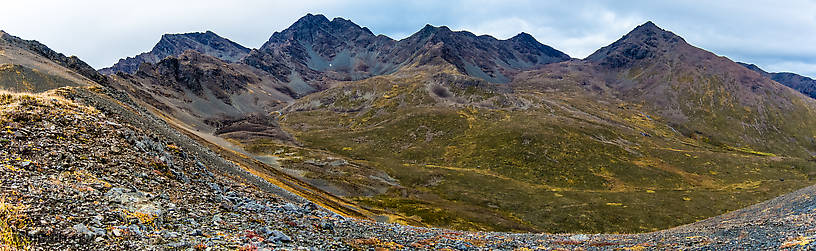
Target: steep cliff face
[[207, 43]]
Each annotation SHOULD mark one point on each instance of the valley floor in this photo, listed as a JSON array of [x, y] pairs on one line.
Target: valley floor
[[78, 174]]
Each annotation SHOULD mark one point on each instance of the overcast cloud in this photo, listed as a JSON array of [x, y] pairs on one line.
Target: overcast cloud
[[776, 35]]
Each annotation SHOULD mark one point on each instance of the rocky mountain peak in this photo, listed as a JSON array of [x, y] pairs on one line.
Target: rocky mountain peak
[[649, 31], [524, 37], [222, 48], [169, 45], [430, 30], [645, 41], [317, 29], [311, 20]]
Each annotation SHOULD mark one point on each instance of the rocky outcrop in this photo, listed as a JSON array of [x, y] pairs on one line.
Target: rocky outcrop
[[196, 72], [647, 40]]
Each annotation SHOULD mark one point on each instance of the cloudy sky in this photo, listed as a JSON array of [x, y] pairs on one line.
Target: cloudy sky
[[776, 35]]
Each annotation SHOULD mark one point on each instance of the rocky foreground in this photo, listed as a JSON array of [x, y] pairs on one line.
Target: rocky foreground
[[83, 171]]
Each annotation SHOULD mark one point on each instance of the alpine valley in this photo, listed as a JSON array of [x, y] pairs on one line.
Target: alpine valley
[[327, 134]]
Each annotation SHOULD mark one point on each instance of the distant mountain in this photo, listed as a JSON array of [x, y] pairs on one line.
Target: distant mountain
[[798, 82], [483, 56], [207, 43], [27, 65]]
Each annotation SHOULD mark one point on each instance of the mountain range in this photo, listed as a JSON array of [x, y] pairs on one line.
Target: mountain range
[[449, 129]]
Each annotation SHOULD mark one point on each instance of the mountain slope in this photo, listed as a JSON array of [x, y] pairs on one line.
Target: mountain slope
[[803, 84], [208, 94], [27, 65], [709, 96], [207, 43]]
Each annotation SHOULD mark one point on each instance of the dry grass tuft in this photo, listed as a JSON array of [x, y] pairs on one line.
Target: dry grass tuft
[[11, 221]]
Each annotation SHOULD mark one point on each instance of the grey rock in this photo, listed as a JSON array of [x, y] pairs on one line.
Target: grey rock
[[80, 228], [291, 207], [116, 231], [340, 162], [177, 245], [170, 235], [196, 232], [579, 237], [278, 236], [133, 201]]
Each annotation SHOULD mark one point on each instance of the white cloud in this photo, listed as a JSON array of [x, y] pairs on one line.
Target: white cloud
[[796, 67]]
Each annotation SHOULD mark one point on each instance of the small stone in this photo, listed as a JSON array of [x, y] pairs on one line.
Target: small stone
[[196, 232], [177, 245], [290, 207], [579, 237], [97, 220], [340, 162], [83, 230], [170, 235], [279, 236]]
